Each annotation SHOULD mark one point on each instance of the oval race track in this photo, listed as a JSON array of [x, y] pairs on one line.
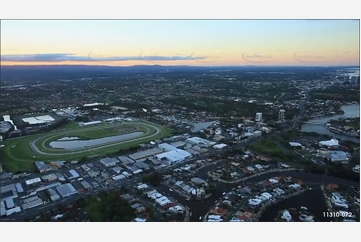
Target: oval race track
[[147, 126]]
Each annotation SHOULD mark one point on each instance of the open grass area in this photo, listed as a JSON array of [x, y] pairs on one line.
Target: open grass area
[[266, 146], [18, 154]]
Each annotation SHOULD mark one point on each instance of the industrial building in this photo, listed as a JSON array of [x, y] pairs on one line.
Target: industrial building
[[125, 160], [142, 165], [117, 169], [258, 117], [118, 177], [54, 196], [78, 186], [89, 123], [145, 153], [166, 147], [331, 142], [178, 144], [9, 202], [220, 146], [43, 196], [41, 166], [86, 185], [72, 174], [32, 202], [108, 161], [49, 177], [19, 188], [32, 181], [8, 188], [174, 156], [38, 119], [199, 141], [52, 185], [66, 190], [338, 157]]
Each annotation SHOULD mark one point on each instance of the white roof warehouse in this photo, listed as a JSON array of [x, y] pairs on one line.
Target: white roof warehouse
[[174, 156]]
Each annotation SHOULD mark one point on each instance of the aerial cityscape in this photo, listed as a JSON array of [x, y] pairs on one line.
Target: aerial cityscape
[[180, 121]]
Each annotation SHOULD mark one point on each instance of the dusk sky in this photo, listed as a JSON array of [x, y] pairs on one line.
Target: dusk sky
[[174, 42]]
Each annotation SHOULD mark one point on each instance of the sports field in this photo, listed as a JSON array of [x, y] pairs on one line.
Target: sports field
[[20, 153]]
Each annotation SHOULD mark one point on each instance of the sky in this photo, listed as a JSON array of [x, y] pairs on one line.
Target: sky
[[180, 42]]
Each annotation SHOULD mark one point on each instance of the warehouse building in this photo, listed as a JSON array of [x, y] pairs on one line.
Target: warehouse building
[[108, 161], [32, 181], [19, 188], [78, 186], [8, 188], [2, 208], [9, 202], [145, 153], [125, 160], [32, 203], [166, 147], [142, 165], [174, 156], [49, 177], [66, 190], [117, 169], [199, 141], [72, 174], [39, 189], [86, 185], [89, 123], [54, 196], [43, 196], [41, 166]]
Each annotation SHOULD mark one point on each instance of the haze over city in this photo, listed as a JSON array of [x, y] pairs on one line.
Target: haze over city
[[173, 42]]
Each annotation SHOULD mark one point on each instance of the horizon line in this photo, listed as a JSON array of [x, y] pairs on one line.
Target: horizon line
[[320, 65]]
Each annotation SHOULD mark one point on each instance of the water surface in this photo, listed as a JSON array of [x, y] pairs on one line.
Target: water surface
[[71, 143]]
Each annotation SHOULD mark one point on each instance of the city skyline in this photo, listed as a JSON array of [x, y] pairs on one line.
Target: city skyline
[[180, 42]]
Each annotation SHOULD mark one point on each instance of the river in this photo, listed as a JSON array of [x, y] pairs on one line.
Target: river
[[349, 111], [201, 125]]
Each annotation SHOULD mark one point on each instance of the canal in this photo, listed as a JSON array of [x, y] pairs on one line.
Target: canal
[[313, 199], [349, 111]]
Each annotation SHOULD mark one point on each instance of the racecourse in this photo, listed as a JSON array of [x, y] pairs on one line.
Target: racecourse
[[20, 152]]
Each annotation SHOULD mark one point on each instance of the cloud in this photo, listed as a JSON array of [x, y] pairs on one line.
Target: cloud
[[61, 57]]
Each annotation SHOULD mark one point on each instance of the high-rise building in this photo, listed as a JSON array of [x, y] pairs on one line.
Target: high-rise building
[[281, 115], [258, 117]]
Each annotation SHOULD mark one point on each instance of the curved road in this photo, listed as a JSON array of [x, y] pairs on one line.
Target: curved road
[[36, 149]]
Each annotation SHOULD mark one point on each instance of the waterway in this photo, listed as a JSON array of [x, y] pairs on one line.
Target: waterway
[[312, 199], [201, 125], [201, 208], [349, 111], [71, 143]]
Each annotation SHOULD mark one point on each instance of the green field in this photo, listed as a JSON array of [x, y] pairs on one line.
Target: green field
[[20, 153]]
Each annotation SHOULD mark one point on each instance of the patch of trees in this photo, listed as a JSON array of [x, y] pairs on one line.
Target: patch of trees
[[109, 208], [340, 171], [336, 93], [312, 168], [128, 150], [154, 179]]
